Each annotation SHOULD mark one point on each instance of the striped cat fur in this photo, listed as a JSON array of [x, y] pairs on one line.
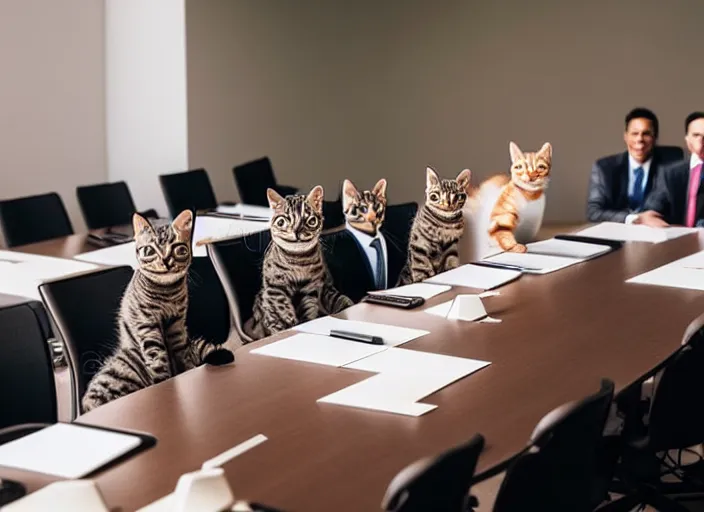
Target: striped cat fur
[[296, 284], [437, 228], [153, 341]]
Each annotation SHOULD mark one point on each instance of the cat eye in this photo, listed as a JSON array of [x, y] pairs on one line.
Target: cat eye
[[313, 221], [181, 251], [146, 251], [364, 209], [280, 222], [542, 167], [434, 197], [461, 197]]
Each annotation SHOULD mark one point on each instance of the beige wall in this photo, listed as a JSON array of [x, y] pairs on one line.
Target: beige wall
[[52, 120], [368, 89]]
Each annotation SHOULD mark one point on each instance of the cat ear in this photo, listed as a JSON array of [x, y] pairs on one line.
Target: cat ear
[[515, 151], [431, 178], [140, 224], [379, 189], [315, 198], [463, 179], [275, 199], [349, 193], [183, 223], [546, 151]]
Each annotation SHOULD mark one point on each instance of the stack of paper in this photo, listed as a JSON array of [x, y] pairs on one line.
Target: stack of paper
[[687, 272], [403, 377], [22, 273], [391, 334], [474, 276], [217, 228], [423, 290], [634, 232], [567, 248], [123, 254], [533, 263]]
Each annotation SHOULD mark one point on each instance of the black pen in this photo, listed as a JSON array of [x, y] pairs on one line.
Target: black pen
[[614, 244], [354, 336], [238, 216], [505, 266]]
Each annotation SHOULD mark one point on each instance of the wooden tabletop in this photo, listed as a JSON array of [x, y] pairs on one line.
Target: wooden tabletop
[[560, 334]]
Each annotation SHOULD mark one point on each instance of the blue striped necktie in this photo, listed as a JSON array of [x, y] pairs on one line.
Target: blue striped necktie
[[380, 274], [637, 196]]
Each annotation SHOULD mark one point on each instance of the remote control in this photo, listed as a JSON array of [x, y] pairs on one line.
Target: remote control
[[395, 301]]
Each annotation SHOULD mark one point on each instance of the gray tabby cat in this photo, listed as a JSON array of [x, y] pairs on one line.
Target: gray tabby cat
[[433, 244], [153, 342], [296, 284], [364, 210]]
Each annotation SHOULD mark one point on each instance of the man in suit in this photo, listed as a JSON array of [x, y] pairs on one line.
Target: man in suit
[[620, 184], [678, 197]]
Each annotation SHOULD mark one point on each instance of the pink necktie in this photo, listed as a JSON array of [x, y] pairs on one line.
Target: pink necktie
[[694, 179]]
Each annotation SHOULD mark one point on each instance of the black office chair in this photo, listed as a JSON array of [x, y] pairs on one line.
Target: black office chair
[[187, 190], [438, 483], [397, 229], [31, 219], [559, 469], [675, 421], [238, 263], [669, 154], [253, 178], [108, 204], [26, 371], [333, 216], [84, 310], [208, 309]]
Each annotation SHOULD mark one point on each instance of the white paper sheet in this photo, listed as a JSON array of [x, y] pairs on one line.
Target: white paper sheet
[[314, 348], [247, 209], [391, 334], [534, 263], [66, 450], [123, 254], [673, 276], [567, 248], [635, 232], [474, 276], [403, 361], [394, 393], [424, 290], [23, 277]]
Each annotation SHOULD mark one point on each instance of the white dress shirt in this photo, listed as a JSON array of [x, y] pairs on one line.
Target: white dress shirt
[[365, 241], [632, 166], [694, 161]]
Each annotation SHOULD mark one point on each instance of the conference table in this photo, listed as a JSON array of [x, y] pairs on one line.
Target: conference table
[[559, 335]]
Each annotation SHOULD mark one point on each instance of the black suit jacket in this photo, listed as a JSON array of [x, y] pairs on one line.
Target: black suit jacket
[[350, 268], [669, 197], [608, 187]]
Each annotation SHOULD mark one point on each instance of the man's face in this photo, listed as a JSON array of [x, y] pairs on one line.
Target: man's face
[[640, 138], [695, 138]]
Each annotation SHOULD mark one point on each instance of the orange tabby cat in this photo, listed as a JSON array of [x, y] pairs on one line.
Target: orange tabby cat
[[509, 208]]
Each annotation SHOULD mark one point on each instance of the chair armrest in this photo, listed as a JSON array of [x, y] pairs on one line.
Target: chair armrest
[[286, 190]]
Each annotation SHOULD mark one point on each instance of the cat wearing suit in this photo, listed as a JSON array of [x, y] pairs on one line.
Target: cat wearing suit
[[364, 256]]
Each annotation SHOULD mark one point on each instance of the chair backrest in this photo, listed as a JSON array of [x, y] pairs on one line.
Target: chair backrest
[[238, 263], [333, 216], [26, 370], [675, 419], [669, 154], [208, 309], [187, 190], [253, 178], [439, 483], [397, 228], [559, 470], [31, 219], [84, 309], [106, 205]]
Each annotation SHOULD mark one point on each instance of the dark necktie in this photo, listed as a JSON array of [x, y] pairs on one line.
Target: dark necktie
[[380, 274], [637, 197]]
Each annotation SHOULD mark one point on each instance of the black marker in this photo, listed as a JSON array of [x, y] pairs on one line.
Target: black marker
[[353, 336]]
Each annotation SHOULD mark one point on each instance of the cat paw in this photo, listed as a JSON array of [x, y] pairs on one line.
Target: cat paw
[[219, 357], [518, 248]]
